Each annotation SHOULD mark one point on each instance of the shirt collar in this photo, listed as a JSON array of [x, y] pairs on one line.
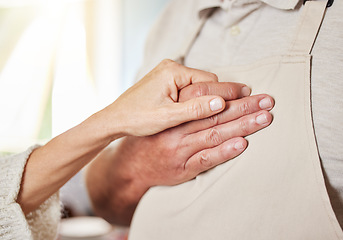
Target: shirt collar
[[281, 4]]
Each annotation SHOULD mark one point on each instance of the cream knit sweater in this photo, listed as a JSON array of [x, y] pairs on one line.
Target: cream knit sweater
[[38, 225]]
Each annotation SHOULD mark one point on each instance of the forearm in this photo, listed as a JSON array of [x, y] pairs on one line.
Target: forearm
[[52, 165], [113, 186], [146, 108], [120, 175]]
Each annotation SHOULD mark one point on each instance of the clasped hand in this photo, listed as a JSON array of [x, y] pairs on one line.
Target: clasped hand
[[179, 110], [152, 105], [169, 95]]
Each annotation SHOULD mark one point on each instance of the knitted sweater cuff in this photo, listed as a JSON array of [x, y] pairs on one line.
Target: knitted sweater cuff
[[40, 224]]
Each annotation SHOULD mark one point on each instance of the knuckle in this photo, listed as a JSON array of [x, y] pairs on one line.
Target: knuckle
[[167, 144], [213, 76], [179, 172], [244, 108], [167, 62], [193, 91], [166, 65], [196, 109], [244, 127], [170, 150], [174, 147], [231, 93], [205, 160], [199, 90], [214, 137], [214, 120]]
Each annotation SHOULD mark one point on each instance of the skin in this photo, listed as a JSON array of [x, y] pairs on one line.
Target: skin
[[149, 107], [122, 173]]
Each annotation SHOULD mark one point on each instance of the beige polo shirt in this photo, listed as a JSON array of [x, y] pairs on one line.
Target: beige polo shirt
[[243, 31]]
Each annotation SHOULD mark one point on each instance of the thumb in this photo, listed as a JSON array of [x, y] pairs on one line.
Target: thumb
[[197, 108]]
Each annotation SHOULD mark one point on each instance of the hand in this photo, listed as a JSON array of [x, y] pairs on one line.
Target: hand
[[148, 107], [181, 153], [120, 176], [151, 105]]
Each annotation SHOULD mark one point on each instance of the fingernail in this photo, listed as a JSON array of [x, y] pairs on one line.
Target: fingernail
[[261, 119], [216, 104], [239, 146], [265, 103], [245, 91]]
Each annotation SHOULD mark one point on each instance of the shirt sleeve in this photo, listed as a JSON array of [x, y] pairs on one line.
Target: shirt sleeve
[[39, 224], [74, 196]]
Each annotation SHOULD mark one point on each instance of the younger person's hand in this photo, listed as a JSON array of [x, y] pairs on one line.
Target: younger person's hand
[[152, 105]]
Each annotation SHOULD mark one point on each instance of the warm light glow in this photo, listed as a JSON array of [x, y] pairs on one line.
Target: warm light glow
[[24, 80], [52, 56], [81, 53]]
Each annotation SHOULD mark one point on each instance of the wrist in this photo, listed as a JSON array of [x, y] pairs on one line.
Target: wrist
[[110, 122], [114, 193], [106, 126]]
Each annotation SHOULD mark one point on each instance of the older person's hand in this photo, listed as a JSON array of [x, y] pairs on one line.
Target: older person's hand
[[149, 107], [121, 174]]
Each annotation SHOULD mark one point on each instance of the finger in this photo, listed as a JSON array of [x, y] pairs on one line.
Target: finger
[[209, 158], [191, 75], [226, 90], [184, 76], [241, 127], [197, 76], [194, 109], [233, 110]]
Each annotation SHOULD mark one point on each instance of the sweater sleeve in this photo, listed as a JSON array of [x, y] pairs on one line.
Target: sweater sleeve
[[39, 224]]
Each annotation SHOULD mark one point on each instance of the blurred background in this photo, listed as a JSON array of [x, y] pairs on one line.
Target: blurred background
[[61, 61]]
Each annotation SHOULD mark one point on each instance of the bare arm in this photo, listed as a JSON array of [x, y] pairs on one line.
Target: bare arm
[[120, 175], [150, 106]]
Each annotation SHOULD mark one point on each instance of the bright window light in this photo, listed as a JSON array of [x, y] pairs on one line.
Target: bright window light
[[63, 60], [57, 68]]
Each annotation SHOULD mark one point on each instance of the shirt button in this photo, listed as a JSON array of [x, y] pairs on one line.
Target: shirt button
[[235, 30]]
